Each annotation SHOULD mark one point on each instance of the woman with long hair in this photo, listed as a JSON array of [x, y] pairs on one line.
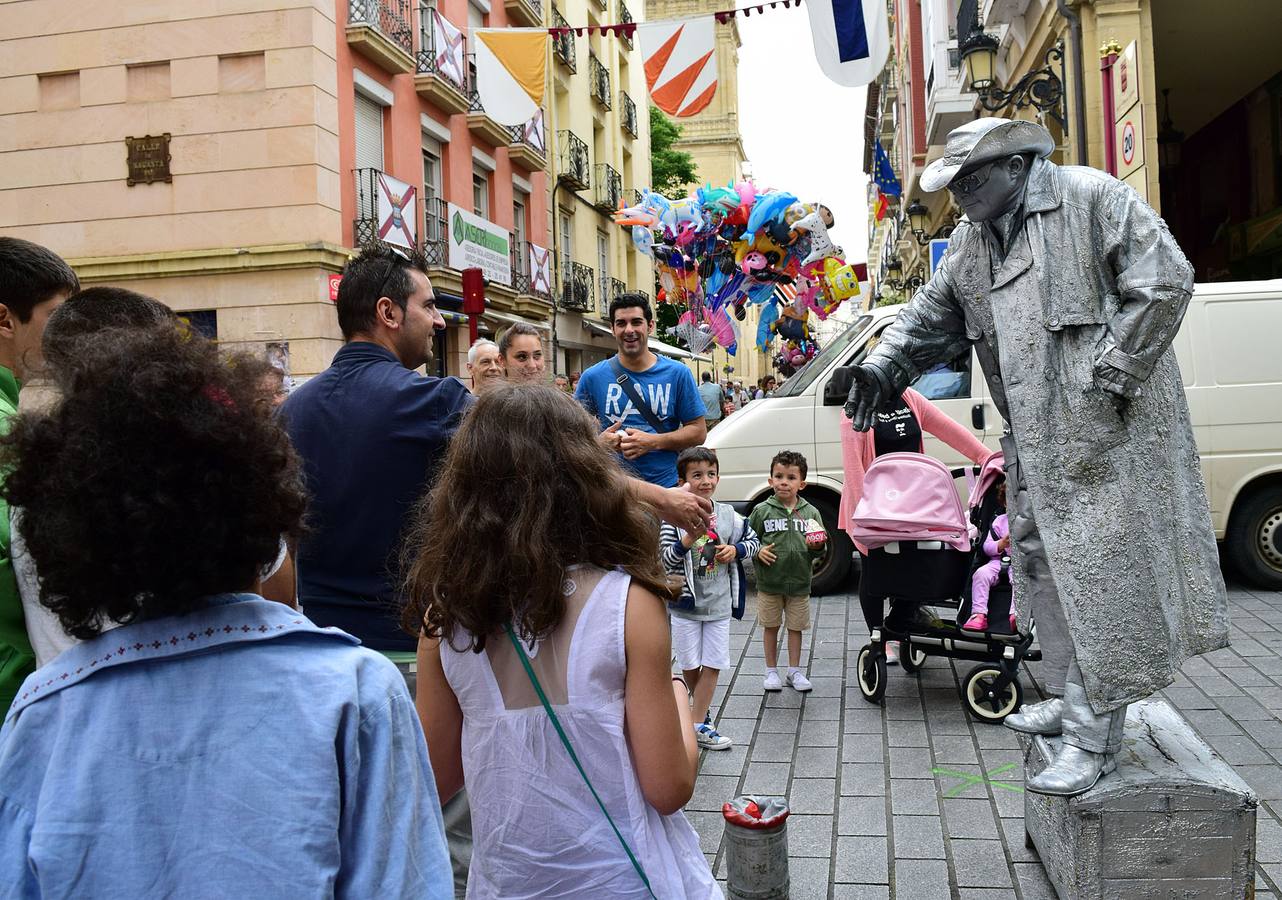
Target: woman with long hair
[[521, 351], [544, 662]]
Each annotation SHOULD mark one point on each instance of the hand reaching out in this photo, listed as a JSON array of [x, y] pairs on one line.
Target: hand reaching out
[[866, 394]]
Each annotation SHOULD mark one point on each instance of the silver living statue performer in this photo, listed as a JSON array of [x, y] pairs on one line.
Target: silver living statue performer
[[1071, 290]]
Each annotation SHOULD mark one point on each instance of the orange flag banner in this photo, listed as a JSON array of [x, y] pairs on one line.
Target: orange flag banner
[[680, 60]]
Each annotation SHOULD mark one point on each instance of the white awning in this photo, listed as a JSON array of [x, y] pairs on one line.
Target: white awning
[[656, 345], [506, 319]]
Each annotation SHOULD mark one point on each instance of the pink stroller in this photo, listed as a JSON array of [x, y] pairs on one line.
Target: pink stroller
[[921, 558]]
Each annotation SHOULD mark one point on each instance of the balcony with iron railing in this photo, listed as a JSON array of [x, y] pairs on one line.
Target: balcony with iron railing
[[610, 288], [528, 144], [574, 164], [435, 237], [563, 44], [381, 31], [599, 84], [625, 18], [478, 120], [609, 188], [525, 12], [525, 280], [629, 118], [441, 70], [429, 233], [577, 287]]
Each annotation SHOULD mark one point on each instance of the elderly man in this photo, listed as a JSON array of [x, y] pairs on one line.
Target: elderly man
[[1071, 290], [484, 365]]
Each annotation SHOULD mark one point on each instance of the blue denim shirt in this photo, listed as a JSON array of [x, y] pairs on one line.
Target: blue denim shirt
[[236, 752]]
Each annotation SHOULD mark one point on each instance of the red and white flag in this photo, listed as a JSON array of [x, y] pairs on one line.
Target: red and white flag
[[680, 64]]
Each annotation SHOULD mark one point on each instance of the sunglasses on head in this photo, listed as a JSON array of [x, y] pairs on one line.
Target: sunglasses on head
[[391, 267]]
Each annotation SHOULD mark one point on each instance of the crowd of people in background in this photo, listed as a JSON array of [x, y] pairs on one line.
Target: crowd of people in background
[[327, 633]]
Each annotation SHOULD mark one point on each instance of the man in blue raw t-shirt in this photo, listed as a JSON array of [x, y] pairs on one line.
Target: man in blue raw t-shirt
[[669, 418]]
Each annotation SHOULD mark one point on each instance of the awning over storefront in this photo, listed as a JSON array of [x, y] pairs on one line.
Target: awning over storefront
[[656, 346], [502, 320]]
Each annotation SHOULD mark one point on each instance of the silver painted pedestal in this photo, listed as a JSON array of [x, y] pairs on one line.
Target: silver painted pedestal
[[1174, 820]]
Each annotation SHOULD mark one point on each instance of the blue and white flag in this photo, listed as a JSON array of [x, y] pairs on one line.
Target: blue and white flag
[[883, 173], [852, 39]]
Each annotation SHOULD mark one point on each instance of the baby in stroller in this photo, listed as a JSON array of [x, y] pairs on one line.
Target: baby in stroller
[[997, 549]]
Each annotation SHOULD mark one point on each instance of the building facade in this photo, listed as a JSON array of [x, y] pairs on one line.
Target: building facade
[[257, 132], [1181, 102]]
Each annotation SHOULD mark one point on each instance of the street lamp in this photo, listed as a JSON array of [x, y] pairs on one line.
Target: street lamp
[[917, 213], [1169, 138], [1041, 88]]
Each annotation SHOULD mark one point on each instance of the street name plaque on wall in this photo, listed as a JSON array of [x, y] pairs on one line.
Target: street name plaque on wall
[[148, 159]]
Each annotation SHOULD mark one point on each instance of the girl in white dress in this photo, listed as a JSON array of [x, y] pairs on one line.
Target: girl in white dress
[[532, 525]]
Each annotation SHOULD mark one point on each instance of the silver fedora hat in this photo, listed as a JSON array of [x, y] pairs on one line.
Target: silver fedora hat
[[983, 140]]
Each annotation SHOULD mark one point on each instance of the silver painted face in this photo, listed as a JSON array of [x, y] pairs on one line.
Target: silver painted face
[[988, 191]]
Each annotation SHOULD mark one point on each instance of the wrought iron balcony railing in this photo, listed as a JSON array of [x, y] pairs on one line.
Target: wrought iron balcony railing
[[532, 134], [626, 18], [576, 286], [629, 109], [609, 187], [390, 17], [438, 53], [600, 81], [610, 288], [435, 237], [525, 279], [563, 43], [575, 166]]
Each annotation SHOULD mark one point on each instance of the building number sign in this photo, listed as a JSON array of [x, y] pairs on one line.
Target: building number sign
[[147, 158]]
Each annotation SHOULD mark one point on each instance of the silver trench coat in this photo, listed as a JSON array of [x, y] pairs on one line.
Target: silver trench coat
[[1118, 496]]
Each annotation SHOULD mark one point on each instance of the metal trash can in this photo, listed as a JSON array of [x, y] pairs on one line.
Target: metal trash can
[[756, 848]]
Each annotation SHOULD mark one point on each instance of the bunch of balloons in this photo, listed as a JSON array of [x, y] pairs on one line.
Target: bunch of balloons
[[719, 249]]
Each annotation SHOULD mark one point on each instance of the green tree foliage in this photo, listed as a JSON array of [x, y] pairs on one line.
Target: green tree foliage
[[671, 171]]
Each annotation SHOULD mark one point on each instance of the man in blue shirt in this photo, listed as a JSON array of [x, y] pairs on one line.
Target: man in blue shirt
[[712, 395], [370, 431], [666, 388]]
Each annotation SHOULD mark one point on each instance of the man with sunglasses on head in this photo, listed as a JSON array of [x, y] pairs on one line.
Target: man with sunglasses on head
[[1071, 290]]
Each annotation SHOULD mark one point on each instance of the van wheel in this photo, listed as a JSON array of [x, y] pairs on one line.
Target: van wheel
[[1254, 538], [832, 575]]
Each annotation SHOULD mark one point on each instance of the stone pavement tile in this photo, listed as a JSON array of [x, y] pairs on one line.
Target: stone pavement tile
[[910, 762], [861, 748], [980, 864], [1271, 697], [1267, 734], [1269, 665], [1238, 750], [815, 762], [965, 818], [900, 685], [1247, 677], [918, 837], [1033, 884], [864, 816], [827, 668], [826, 686], [1274, 874], [993, 759], [1268, 840], [1243, 709], [863, 719], [861, 860], [1010, 804], [906, 734], [950, 719], [1197, 665], [860, 892], [822, 709], [712, 791], [1251, 648], [1217, 686], [754, 667], [922, 879], [813, 795], [774, 747], [995, 737], [777, 720], [767, 778], [954, 749], [740, 730], [1014, 830], [986, 894], [1188, 698], [785, 699], [819, 734], [810, 836], [915, 797], [709, 826], [724, 762], [1224, 657], [1211, 722], [742, 706], [808, 879], [863, 780]]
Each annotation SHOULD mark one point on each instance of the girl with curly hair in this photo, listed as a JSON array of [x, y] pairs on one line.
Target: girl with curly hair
[[534, 581], [214, 743]]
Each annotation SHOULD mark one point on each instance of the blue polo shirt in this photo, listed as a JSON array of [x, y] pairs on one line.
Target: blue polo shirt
[[371, 434], [669, 389]]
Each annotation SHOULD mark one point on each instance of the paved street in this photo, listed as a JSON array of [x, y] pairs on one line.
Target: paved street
[[920, 802]]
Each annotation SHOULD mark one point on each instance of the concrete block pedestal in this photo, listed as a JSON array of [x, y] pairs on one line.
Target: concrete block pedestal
[[1174, 820]]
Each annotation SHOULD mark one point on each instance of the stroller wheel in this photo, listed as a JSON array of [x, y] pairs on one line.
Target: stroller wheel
[[911, 657], [871, 665], [986, 701]]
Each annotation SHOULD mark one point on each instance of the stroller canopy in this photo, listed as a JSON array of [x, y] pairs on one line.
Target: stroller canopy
[[910, 497]]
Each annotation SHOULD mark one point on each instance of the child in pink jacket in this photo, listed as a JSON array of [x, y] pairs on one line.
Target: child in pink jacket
[[997, 549]]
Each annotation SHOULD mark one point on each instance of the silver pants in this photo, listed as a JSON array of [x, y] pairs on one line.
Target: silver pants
[[1085, 728], [1032, 573]]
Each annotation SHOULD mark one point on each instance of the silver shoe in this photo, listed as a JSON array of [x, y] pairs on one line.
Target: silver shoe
[[1074, 771], [1040, 718]]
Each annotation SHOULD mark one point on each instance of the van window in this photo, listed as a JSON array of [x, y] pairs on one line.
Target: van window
[[806, 375], [943, 381]]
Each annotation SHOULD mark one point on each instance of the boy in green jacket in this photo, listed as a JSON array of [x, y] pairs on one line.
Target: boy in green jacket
[[792, 537]]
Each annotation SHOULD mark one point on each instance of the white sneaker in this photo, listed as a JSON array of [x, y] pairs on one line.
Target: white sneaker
[[892, 652], [799, 682], [772, 682], [710, 739]]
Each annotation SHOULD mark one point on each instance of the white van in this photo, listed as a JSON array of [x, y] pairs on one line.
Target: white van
[[1230, 353]]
